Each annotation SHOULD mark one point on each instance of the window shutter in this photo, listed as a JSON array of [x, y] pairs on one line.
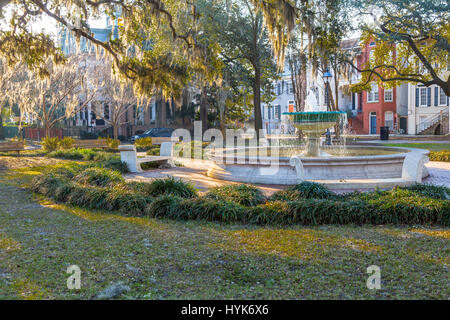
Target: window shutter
[[417, 97], [436, 96], [429, 97]]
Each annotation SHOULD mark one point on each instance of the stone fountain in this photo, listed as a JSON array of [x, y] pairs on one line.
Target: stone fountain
[[359, 167]]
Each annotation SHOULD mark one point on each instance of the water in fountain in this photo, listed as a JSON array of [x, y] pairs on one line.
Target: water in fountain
[[314, 121]]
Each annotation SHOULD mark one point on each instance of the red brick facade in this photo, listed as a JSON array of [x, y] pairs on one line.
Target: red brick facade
[[361, 124]]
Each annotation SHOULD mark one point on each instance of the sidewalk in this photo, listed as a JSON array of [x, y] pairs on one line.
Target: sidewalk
[[403, 141], [439, 173], [195, 172]]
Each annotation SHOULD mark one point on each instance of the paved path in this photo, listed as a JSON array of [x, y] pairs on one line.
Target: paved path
[[439, 173], [403, 141], [195, 172]]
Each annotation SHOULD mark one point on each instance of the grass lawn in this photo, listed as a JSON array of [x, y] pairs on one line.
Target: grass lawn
[[428, 146], [165, 259]]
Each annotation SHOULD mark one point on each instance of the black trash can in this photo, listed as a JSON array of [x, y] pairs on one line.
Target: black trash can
[[384, 133]]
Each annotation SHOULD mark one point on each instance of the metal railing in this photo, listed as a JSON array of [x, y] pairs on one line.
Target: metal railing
[[424, 125]]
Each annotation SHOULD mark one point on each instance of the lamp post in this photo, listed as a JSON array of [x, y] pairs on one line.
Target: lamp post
[[327, 75]]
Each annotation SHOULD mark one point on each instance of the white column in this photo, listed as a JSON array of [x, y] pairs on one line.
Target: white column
[[411, 109]]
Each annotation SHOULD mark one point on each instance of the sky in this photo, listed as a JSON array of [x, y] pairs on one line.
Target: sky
[[48, 25]]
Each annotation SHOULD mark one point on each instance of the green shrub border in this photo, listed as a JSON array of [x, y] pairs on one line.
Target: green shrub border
[[443, 156], [175, 199]]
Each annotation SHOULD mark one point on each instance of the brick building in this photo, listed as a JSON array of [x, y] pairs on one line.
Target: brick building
[[407, 109]]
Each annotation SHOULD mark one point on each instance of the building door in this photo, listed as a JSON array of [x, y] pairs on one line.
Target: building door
[[403, 124], [373, 123]]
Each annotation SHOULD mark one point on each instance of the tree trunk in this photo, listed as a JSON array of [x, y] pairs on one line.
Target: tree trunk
[[47, 130], [2, 136], [204, 109], [303, 86], [298, 79], [116, 131], [160, 112], [257, 101]]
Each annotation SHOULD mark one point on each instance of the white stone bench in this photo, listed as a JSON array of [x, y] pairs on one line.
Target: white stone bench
[[128, 155]]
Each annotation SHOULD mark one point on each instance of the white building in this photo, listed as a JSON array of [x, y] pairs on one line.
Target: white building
[[274, 122], [428, 108]]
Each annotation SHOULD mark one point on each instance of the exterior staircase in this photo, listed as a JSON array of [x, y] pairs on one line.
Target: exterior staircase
[[436, 125]]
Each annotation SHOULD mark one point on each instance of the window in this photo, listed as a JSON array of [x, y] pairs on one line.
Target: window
[[141, 114], [389, 119], [388, 95], [153, 112], [106, 112], [442, 97], [423, 97], [372, 58], [420, 67], [391, 57], [291, 89], [373, 94], [277, 112]]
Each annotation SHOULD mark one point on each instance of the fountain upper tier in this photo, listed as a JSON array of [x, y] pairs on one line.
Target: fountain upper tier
[[313, 124], [315, 121]]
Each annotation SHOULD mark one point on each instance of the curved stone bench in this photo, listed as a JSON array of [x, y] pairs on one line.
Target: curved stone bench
[[128, 155]]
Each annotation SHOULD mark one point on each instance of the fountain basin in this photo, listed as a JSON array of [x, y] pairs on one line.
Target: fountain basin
[[394, 166]]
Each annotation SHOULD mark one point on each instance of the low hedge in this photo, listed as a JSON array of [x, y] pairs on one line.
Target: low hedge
[[73, 154], [173, 199], [305, 212], [172, 186], [151, 151], [91, 197], [101, 159], [99, 177], [242, 194], [304, 190], [443, 156]]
